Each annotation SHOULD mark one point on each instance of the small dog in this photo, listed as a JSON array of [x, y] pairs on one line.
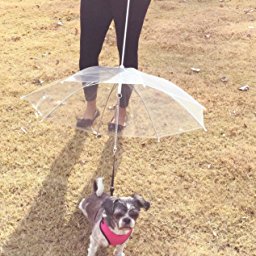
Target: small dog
[[112, 218]]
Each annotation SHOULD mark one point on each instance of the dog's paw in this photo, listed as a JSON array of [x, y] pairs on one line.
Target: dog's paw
[[119, 254]]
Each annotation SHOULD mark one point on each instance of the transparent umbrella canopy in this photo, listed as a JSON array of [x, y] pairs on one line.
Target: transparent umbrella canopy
[[157, 107]]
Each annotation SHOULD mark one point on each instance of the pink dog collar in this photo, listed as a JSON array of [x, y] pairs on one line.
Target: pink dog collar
[[112, 238]]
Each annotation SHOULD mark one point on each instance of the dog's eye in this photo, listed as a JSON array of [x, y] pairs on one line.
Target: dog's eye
[[118, 215], [134, 214]]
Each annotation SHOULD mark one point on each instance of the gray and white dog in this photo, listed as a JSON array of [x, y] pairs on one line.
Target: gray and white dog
[[112, 218]]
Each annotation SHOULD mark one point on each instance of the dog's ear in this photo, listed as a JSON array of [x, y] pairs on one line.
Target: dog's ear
[[108, 205], [142, 203]]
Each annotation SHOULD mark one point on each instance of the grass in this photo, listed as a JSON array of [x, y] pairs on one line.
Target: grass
[[202, 186]]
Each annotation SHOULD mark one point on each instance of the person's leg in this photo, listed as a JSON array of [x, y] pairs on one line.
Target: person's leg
[[95, 18], [137, 12]]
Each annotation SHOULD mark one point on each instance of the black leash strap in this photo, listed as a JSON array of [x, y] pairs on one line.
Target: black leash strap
[[119, 96], [112, 187]]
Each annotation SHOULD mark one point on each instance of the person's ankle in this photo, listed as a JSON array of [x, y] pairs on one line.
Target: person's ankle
[[91, 104], [122, 115], [90, 109]]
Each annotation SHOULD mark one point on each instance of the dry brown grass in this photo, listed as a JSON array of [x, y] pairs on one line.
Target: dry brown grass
[[202, 185]]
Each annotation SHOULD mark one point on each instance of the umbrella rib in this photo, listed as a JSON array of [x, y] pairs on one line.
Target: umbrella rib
[[144, 103], [191, 113], [61, 102]]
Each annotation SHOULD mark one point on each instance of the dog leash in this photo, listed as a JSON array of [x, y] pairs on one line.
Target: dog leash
[[112, 188], [119, 96], [112, 184]]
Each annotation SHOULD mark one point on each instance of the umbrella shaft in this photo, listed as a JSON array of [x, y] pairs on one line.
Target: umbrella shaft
[[125, 33]]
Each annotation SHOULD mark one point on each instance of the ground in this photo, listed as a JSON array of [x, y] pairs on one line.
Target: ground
[[202, 185]]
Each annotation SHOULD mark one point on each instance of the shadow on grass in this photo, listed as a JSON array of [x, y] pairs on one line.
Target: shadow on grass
[[45, 230]]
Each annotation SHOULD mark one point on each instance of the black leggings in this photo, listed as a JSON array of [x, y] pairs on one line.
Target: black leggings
[[95, 18]]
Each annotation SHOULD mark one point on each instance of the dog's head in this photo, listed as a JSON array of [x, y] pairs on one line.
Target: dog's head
[[123, 212]]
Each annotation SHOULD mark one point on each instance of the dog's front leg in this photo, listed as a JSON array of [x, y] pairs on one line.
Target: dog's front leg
[[93, 247], [119, 250]]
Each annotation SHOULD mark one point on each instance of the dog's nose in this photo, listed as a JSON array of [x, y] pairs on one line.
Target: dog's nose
[[127, 221]]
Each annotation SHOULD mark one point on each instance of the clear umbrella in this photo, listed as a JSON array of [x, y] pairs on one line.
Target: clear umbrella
[[157, 107]]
